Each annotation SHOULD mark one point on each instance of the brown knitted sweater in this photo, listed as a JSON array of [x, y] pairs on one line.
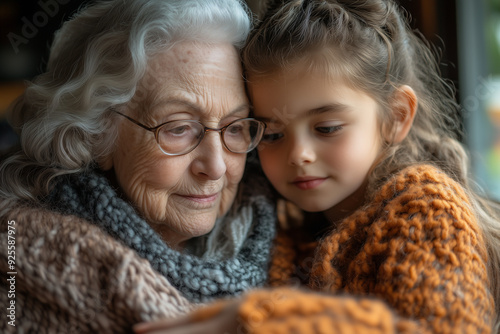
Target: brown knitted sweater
[[71, 277], [412, 261]]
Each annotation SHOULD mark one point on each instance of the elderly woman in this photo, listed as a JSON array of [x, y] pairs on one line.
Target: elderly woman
[[123, 204]]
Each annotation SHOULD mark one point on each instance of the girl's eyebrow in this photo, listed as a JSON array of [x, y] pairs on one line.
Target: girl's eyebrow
[[331, 107]]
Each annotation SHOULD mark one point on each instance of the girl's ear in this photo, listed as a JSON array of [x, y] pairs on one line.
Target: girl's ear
[[404, 106]]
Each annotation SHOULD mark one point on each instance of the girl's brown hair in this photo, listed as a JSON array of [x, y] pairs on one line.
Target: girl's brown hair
[[369, 44]]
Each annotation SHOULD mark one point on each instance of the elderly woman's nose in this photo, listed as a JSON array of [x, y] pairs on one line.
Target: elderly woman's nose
[[210, 157]]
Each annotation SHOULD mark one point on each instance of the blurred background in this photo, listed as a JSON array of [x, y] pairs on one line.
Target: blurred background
[[467, 33], [26, 32]]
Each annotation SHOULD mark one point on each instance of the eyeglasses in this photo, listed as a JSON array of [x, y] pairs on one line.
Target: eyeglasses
[[183, 136]]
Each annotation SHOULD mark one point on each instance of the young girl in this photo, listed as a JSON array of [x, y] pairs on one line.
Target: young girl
[[361, 136]]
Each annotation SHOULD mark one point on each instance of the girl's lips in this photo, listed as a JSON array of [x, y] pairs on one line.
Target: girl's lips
[[308, 183]]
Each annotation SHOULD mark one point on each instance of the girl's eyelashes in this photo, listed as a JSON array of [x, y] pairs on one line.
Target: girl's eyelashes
[[273, 132], [329, 130], [277, 134], [271, 137]]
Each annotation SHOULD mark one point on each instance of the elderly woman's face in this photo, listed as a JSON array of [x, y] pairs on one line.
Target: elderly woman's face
[[181, 196]]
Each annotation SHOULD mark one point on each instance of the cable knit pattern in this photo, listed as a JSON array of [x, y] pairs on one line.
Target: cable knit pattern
[[89, 196], [414, 257], [74, 278], [421, 250], [97, 267]]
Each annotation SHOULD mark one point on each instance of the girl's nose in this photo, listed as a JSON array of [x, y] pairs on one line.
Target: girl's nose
[[302, 152]]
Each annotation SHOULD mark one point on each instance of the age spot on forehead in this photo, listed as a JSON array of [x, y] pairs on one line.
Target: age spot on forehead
[[182, 55], [188, 57]]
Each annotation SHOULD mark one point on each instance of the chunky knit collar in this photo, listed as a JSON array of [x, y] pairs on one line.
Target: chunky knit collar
[[90, 196]]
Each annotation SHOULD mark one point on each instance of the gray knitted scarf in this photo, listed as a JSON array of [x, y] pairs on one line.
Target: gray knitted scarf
[[90, 196]]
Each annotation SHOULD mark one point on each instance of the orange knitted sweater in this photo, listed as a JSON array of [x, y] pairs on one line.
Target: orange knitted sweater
[[411, 261]]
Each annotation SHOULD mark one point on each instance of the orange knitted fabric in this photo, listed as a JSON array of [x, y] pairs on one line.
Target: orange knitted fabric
[[411, 261]]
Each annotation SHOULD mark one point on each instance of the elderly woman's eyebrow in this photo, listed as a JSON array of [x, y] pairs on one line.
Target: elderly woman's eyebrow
[[245, 107], [242, 108], [162, 104]]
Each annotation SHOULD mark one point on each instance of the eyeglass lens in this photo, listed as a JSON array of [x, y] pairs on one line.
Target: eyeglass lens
[[180, 137]]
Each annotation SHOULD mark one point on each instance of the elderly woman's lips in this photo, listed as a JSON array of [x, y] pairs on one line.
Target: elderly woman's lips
[[201, 198]]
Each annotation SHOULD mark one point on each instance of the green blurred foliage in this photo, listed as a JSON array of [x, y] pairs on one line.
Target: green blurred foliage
[[492, 34], [494, 5]]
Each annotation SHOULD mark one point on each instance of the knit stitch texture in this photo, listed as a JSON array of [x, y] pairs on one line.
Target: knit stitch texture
[[411, 261], [90, 196], [71, 277], [92, 265]]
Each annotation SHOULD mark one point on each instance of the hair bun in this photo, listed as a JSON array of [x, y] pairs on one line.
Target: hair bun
[[372, 12]]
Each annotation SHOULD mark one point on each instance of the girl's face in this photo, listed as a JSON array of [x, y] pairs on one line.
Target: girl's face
[[321, 140]]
